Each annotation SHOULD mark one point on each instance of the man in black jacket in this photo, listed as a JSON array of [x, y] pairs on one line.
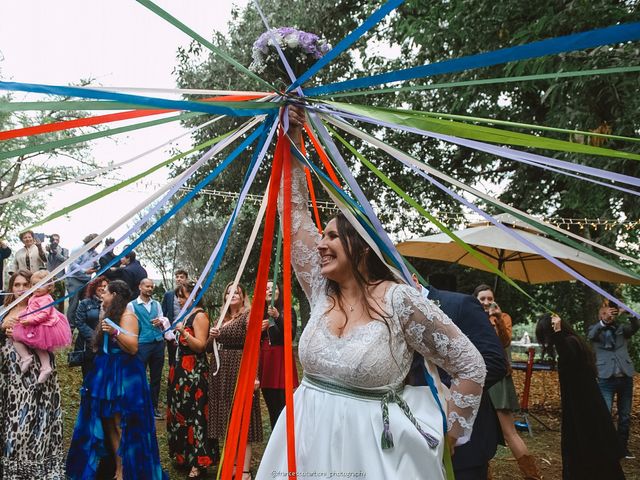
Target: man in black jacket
[[5, 252], [132, 272], [171, 308], [471, 460]]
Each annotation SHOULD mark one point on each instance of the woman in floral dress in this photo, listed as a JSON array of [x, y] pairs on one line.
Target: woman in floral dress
[[187, 411]]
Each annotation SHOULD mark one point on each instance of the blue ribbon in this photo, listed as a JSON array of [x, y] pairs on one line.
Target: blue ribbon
[[221, 246], [577, 41], [353, 206], [434, 391], [347, 41], [203, 183], [136, 99]]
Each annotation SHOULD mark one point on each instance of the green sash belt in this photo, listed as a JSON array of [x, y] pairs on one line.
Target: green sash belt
[[385, 396]]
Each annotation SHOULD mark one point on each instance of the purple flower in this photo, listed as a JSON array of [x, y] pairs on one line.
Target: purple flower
[[296, 44]]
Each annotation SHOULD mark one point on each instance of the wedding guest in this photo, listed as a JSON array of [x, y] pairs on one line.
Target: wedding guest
[[171, 308], [87, 316], [187, 394], [151, 340], [79, 274], [271, 366], [5, 252], [503, 394], [31, 256], [231, 336], [41, 329], [30, 410], [589, 444], [610, 339], [106, 258], [116, 413], [56, 254], [132, 272]]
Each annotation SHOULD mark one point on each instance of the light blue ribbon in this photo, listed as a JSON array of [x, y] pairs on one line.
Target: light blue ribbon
[[122, 331], [210, 270]]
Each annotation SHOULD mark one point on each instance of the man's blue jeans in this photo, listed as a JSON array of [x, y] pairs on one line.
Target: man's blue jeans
[[152, 355], [623, 388]]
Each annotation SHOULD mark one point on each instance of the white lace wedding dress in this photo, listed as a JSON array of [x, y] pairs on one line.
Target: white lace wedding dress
[[338, 434]]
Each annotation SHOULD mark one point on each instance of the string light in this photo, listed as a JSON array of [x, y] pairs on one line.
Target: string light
[[451, 217]]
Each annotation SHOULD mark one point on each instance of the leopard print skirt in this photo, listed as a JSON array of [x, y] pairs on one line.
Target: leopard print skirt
[[31, 444]]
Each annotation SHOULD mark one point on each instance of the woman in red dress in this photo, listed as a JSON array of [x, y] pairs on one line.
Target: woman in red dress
[[271, 371]]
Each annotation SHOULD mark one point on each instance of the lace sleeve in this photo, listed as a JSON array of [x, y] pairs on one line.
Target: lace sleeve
[[304, 235], [434, 335]]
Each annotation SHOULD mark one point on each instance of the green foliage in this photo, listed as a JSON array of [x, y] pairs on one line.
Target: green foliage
[[426, 32], [32, 171]]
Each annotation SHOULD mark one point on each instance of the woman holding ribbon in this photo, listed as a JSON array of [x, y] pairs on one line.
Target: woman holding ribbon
[[187, 411], [353, 413], [116, 413], [30, 410], [271, 365], [224, 375]]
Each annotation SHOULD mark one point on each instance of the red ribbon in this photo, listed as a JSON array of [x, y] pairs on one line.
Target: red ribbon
[[100, 119], [238, 428]]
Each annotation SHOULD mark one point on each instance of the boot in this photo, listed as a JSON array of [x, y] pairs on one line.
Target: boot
[[528, 468]]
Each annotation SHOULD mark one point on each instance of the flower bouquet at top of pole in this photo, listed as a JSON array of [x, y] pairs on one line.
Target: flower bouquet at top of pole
[[302, 49]]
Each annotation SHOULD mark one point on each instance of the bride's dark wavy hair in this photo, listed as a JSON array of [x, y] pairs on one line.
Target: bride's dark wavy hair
[[368, 269], [114, 311]]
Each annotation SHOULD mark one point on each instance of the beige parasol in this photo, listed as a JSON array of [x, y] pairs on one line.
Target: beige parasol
[[514, 257]]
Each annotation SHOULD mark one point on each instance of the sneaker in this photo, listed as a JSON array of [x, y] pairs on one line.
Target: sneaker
[[157, 414]]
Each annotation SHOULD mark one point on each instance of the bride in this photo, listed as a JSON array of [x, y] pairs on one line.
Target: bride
[[354, 417]]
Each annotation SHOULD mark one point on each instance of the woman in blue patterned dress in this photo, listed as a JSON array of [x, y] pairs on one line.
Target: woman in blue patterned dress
[[116, 414]]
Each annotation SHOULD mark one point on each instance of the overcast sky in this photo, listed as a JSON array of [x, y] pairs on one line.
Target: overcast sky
[[117, 43]]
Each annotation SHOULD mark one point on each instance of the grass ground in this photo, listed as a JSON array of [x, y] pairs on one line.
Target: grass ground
[[544, 444]]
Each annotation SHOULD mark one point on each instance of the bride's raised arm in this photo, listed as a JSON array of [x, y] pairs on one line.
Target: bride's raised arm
[[304, 234]]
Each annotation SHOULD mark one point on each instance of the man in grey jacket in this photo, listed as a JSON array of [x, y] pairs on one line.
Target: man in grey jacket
[[610, 340]]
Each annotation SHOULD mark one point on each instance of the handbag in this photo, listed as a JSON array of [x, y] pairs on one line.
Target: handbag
[[76, 358]]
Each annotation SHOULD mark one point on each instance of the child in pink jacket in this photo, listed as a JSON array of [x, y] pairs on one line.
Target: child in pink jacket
[[41, 329]]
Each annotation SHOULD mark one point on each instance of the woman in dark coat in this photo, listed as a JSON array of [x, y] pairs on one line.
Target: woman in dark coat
[[589, 442], [87, 315]]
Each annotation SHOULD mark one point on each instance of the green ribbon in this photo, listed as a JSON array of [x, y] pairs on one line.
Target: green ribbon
[[276, 267], [529, 126], [529, 221], [420, 209], [181, 26], [489, 81], [412, 118], [65, 142], [107, 191]]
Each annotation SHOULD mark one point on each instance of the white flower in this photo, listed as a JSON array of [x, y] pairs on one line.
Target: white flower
[[292, 40]]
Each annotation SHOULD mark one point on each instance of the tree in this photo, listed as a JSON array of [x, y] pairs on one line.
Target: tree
[[331, 19], [426, 32], [434, 31], [30, 171]]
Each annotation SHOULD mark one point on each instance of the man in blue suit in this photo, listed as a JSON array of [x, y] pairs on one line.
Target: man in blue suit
[[471, 460], [171, 308]]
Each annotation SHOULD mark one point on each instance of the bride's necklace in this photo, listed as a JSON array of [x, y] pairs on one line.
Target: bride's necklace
[[351, 307]]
